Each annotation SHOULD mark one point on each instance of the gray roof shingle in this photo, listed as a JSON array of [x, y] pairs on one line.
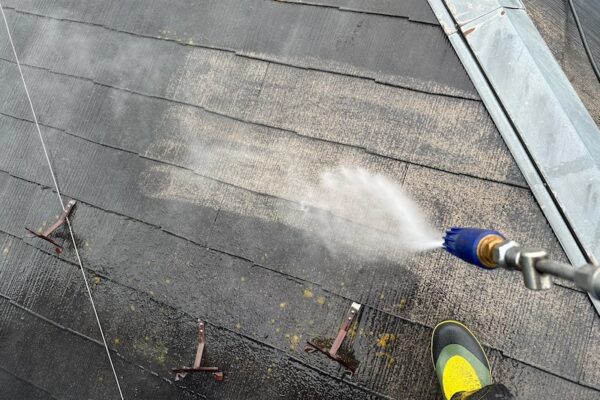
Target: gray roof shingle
[[188, 131]]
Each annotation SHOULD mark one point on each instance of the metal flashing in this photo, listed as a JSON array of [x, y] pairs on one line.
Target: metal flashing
[[466, 11], [548, 130]]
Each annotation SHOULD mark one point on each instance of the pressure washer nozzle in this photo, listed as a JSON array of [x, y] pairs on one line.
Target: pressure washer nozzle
[[473, 245]]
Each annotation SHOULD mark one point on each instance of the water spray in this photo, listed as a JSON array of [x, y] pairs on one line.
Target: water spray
[[377, 202], [490, 249]]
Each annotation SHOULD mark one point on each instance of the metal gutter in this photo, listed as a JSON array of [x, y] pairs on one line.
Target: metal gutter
[[546, 127]]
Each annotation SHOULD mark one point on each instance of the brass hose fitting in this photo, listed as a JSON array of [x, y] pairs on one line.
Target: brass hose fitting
[[485, 249]]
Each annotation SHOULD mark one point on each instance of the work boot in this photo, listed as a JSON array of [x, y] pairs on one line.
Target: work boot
[[459, 360]]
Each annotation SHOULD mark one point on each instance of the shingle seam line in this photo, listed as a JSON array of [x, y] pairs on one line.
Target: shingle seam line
[[11, 373], [376, 309], [356, 11], [288, 131], [243, 54], [85, 337]]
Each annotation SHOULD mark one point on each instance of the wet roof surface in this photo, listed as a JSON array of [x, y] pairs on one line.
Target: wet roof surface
[[174, 126]]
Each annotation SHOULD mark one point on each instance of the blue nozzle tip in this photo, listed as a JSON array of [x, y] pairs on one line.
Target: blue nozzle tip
[[463, 243]]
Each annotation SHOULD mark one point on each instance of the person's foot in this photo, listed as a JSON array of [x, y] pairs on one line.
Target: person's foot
[[459, 360]]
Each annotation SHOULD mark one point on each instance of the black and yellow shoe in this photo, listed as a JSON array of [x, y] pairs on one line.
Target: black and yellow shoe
[[459, 360]]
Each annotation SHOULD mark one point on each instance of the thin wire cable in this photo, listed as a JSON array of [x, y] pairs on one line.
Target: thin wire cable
[[37, 125], [586, 46]]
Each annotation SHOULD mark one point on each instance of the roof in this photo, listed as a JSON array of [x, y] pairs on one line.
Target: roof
[[551, 135], [188, 131]]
